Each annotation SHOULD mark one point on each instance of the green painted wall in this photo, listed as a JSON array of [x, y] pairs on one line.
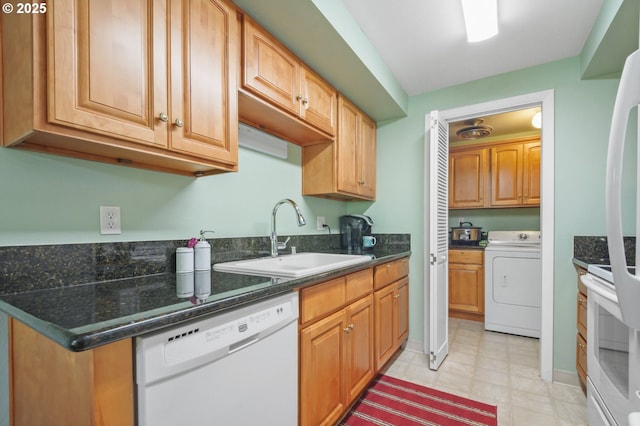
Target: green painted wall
[[583, 111], [48, 199]]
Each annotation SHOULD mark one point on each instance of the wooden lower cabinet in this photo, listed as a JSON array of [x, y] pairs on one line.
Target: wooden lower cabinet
[[50, 385], [581, 337], [336, 362], [391, 306], [321, 371], [344, 326], [466, 284]]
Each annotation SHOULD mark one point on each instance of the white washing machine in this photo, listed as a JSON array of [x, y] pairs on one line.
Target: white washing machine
[[513, 282]]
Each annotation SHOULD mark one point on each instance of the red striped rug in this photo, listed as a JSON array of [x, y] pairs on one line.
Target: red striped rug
[[394, 402]]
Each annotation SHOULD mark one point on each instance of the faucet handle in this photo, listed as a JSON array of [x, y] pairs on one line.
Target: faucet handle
[[283, 244]]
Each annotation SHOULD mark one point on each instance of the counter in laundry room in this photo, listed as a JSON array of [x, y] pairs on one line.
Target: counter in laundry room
[[83, 296]]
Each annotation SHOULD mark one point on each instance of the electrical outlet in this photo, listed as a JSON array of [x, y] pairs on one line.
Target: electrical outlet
[[320, 221], [110, 220]]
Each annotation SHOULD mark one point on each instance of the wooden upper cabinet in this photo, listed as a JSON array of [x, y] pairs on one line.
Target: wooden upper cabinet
[[468, 178], [506, 175], [344, 169], [270, 70], [101, 69], [515, 175], [145, 84], [277, 76], [204, 61], [495, 175], [319, 101], [531, 174]]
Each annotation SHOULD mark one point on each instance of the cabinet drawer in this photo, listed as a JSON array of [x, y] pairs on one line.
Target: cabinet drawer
[[322, 299], [473, 257], [581, 358], [581, 287], [359, 284], [389, 272], [582, 314]]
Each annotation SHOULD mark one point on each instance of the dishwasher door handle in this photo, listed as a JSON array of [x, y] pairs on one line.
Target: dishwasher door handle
[[244, 343]]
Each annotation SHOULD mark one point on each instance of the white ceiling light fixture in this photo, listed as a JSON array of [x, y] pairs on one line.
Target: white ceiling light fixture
[[536, 121], [480, 18]]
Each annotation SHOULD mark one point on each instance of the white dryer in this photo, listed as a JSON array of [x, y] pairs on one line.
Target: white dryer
[[513, 282]]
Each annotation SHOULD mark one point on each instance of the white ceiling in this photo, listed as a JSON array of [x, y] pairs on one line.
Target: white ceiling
[[424, 41]]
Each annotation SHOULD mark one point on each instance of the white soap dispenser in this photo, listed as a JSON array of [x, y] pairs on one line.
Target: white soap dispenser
[[202, 261]]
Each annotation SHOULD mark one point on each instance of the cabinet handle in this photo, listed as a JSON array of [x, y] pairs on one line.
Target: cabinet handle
[[299, 98], [305, 101], [179, 122], [163, 117], [519, 195], [361, 182], [581, 301], [397, 296], [582, 346], [348, 329], [526, 196]]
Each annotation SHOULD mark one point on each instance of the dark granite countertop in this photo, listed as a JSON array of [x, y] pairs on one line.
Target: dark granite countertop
[[454, 247], [85, 316], [593, 250]]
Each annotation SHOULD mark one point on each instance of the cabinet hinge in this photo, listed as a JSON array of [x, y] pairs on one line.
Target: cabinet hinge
[[433, 259], [433, 357]]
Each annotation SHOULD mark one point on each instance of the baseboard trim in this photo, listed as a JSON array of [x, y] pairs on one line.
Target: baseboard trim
[[566, 378]]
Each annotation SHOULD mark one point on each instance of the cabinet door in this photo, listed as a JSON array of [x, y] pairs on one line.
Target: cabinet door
[[319, 101], [321, 371], [531, 174], [466, 289], [270, 70], [367, 163], [347, 146], [401, 315], [385, 343], [506, 175], [467, 178], [203, 120], [107, 68], [46, 377], [359, 347]]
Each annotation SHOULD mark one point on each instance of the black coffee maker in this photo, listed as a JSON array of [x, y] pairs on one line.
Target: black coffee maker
[[353, 227]]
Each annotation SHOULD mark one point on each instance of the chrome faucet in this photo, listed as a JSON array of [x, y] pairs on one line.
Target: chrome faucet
[[275, 244]]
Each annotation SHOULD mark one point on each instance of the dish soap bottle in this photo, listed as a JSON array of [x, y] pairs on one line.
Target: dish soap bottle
[[202, 261]]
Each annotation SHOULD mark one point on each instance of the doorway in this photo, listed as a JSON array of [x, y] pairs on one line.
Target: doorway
[[544, 100]]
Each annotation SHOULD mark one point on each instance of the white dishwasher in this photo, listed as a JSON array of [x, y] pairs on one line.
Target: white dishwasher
[[237, 368]]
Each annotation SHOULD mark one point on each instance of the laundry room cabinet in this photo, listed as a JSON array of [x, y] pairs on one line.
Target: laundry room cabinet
[[469, 178], [466, 284], [515, 175], [495, 175]]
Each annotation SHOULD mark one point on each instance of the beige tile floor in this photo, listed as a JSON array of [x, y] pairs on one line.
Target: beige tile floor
[[498, 369]]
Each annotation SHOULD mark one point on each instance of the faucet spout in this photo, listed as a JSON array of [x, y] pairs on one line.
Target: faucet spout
[[275, 245]]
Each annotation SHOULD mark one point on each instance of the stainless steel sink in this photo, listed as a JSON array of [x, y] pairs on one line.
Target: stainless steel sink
[[292, 265]]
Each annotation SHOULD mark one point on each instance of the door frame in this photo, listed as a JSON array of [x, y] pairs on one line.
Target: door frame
[[545, 99]]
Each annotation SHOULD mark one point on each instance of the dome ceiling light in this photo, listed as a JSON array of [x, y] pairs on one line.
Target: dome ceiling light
[[474, 130]]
